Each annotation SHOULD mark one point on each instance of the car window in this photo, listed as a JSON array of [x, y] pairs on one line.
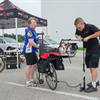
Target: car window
[[50, 41], [1, 40], [10, 40], [40, 41]]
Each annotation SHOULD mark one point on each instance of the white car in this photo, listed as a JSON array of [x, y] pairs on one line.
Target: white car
[[7, 43], [71, 51]]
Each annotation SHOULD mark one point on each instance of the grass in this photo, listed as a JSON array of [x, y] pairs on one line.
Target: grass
[[81, 48]]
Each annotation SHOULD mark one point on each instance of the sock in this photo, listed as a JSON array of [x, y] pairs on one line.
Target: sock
[[97, 80], [94, 84], [31, 79], [27, 82]]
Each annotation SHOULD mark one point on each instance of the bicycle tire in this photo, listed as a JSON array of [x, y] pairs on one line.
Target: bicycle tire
[[73, 53], [2, 64], [49, 77]]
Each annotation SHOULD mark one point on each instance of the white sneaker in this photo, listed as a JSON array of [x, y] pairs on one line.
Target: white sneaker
[[35, 81], [31, 84]]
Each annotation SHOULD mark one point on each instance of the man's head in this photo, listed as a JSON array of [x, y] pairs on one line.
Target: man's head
[[79, 24], [32, 22]]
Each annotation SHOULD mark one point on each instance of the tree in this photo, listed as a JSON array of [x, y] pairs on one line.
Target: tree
[[20, 37]]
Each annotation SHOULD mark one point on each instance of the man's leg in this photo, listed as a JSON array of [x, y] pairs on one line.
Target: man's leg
[[94, 74], [27, 72], [32, 74], [33, 68]]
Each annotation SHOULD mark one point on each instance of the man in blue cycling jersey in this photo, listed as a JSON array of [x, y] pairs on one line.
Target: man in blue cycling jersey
[[30, 46]]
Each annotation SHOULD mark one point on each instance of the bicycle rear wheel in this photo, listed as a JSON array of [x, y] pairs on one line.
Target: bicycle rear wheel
[[51, 77], [2, 64]]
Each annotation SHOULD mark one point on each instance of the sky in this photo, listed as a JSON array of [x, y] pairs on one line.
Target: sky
[[31, 6]]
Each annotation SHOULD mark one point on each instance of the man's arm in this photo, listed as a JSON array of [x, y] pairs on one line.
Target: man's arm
[[78, 37], [96, 34], [33, 43]]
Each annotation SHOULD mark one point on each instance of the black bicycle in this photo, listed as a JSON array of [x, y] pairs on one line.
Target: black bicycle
[[51, 76]]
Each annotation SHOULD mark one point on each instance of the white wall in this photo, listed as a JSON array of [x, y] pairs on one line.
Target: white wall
[[62, 13]]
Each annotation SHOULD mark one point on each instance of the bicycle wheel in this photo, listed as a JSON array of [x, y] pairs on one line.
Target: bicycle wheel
[[71, 51], [2, 64], [51, 77]]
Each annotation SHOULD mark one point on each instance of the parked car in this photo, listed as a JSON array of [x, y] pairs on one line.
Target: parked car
[[53, 44], [9, 44]]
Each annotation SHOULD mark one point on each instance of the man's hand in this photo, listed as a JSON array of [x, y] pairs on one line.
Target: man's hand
[[80, 38], [86, 39]]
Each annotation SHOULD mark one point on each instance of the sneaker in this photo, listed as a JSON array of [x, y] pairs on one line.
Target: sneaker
[[31, 84], [90, 89], [35, 81], [97, 83]]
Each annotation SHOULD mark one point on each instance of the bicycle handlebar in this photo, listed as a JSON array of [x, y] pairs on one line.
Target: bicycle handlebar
[[68, 40]]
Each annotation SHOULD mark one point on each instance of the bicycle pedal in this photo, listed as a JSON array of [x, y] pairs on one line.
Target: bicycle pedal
[[41, 81]]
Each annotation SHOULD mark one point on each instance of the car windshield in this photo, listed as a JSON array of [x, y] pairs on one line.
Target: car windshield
[[46, 41], [10, 40], [40, 41], [50, 41]]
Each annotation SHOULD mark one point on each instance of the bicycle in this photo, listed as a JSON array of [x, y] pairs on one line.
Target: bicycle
[[2, 64], [69, 48], [51, 76]]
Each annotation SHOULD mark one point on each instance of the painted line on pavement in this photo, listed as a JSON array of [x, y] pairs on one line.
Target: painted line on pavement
[[51, 91], [75, 68]]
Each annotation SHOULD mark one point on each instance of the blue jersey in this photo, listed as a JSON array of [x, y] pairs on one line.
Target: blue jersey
[[30, 34]]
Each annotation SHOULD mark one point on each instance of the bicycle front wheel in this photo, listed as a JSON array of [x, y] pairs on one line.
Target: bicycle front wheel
[[51, 77], [2, 64]]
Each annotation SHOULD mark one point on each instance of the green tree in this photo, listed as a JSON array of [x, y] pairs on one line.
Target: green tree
[[20, 37]]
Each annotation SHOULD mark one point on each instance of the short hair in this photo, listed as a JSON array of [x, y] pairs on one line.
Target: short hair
[[78, 20], [32, 18]]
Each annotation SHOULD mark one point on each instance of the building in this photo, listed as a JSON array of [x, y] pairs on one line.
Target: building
[[62, 13]]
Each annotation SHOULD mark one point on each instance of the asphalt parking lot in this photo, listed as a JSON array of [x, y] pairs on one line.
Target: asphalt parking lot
[[12, 83]]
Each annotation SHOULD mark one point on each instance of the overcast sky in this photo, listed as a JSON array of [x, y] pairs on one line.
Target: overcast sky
[[31, 6]]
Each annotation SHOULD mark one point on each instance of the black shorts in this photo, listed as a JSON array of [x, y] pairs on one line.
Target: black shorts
[[92, 58], [31, 58]]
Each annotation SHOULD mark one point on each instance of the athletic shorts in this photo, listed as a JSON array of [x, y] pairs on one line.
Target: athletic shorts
[[31, 58], [92, 58]]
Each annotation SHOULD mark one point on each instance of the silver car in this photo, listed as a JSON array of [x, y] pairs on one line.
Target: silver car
[[9, 44], [71, 51]]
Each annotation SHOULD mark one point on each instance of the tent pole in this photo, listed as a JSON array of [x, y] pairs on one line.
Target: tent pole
[[17, 42], [46, 31], [3, 41]]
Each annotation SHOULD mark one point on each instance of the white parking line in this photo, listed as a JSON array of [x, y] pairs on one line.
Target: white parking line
[[57, 92], [75, 68]]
